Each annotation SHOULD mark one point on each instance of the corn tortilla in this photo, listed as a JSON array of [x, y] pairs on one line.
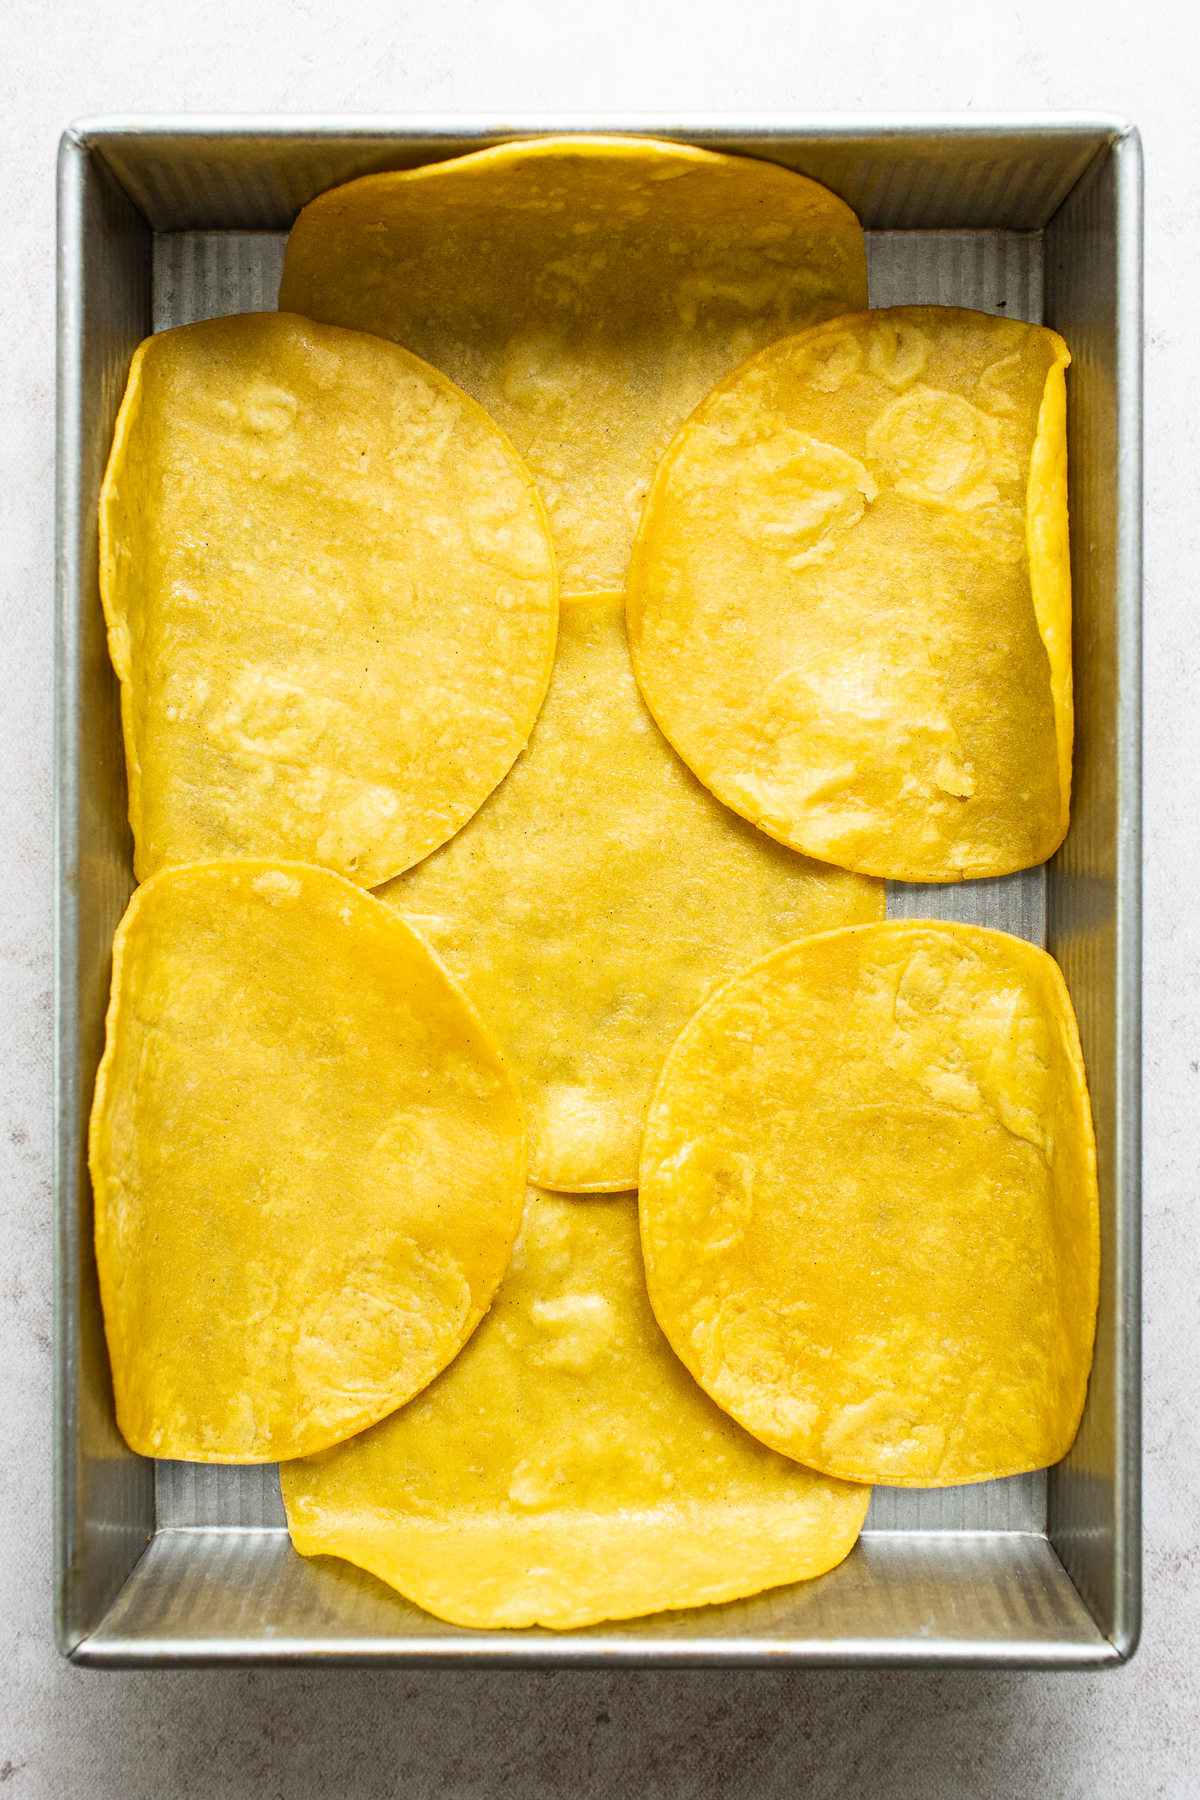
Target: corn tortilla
[[850, 600], [567, 1469], [588, 291], [330, 594], [307, 1158], [597, 897], [869, 1206]]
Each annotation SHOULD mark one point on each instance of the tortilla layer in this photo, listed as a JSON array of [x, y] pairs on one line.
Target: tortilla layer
[[567, 1468], [307, 1158], [330, 594], [869, 1205], [595, 900], [850, 601], [588, 291]]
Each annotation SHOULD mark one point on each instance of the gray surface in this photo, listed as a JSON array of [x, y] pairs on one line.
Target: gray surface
[[965, 1596], [1093, 898], [975, 172], [354, 1734], [104, 1497], [210, 1496], [943, 1591]]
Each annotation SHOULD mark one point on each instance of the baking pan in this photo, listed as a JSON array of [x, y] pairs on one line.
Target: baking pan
[[166, 220]]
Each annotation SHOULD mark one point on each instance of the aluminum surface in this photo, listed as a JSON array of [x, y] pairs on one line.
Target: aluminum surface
[[898, 171], [925, 1597], [1093, 277], [207, 1497], [103, 1495], [946, 1575]]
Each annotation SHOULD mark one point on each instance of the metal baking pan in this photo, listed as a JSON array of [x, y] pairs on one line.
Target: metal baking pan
[[166, 220]]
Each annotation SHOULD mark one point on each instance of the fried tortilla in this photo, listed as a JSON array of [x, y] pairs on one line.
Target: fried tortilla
[[307, 1158], [850, 600], [330, 594], [567, 1469], [588, 291], [869, 1204], [597, 897]]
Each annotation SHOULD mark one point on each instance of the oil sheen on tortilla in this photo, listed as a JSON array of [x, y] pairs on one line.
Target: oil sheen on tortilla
[[588, 291], [850, 602], [869, 1205], [597, 897], [604, 1484], [330, 595], [307, 1158]]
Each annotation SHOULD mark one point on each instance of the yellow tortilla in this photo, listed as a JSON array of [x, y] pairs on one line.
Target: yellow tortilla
[[850, 601], [869, 1206], [307, 1158], [588, 291], [597, 897], [330, 595], [567, 1469]]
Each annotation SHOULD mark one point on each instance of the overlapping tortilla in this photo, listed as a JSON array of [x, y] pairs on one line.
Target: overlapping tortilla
[[307, 1158], [597, 897], [588, 291], [330, 594], [869, 1205], [850, 601], [566, 1468]]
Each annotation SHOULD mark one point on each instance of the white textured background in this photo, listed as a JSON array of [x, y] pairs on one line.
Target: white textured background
[[289, 1736]]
